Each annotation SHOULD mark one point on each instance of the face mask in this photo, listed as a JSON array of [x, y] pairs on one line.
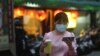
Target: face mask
[[60, 27]]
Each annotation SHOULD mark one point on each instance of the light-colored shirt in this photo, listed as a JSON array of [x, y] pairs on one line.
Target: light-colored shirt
[[59, 47]]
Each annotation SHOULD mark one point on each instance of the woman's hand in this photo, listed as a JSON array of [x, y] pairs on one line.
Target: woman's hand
[[68, 42], [43, 45]]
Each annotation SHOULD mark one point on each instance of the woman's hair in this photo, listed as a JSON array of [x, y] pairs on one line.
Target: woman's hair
[[61, 17], [17, 21]]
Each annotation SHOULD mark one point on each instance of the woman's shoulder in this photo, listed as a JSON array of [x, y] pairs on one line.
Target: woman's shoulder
[[52, 32], [49, 33], [67, 33]]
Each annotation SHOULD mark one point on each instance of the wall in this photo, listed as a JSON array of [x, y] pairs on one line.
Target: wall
[[98, 18]]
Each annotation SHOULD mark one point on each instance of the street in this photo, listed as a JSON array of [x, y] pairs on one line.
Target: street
[[94, 53]]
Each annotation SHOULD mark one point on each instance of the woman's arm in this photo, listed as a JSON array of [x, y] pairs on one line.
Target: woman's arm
[[43, 45], [42, 49]]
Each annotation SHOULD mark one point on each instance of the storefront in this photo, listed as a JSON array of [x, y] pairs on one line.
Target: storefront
[[42, 19], [39, 20]]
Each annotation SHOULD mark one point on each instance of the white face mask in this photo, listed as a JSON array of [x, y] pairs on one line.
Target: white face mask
[[60, 27]]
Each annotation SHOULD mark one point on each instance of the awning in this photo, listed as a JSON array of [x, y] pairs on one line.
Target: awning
[[83, 5]]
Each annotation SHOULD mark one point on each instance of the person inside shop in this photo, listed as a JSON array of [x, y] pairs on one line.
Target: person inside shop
[[59, 42], [19, 34], [21, 38]]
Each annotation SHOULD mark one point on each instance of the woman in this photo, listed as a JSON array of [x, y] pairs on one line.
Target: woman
[[59, 47]]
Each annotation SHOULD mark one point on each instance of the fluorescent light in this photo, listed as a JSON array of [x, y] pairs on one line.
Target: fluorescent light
[[73, 8], [32, 4]]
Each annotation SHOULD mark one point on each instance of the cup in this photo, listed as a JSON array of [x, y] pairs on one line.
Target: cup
[[48, 47]]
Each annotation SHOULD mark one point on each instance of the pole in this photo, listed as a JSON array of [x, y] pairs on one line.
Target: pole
[[93, 19]]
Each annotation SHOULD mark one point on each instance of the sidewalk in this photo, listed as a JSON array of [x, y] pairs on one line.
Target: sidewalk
[[5, 53], [94, 53]]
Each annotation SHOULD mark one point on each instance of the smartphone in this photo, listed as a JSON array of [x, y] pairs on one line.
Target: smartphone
[[68, 39]]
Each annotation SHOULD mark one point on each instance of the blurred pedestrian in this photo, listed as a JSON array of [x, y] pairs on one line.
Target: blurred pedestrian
[[54, 39]]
